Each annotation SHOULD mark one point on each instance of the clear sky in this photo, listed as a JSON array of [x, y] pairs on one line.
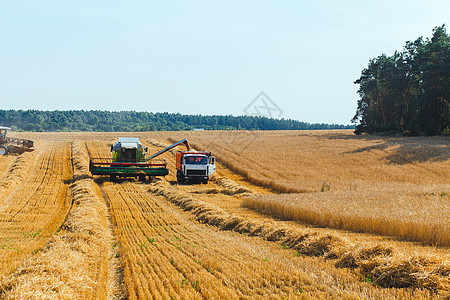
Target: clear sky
[[201, 57]]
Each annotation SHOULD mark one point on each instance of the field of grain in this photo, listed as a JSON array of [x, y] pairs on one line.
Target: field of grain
[[77, 262], [34, 202], [390, 186], [289, 215]]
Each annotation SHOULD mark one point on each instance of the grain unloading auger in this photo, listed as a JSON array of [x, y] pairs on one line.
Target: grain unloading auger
[[183, 141], [129, 160], [13, 145]]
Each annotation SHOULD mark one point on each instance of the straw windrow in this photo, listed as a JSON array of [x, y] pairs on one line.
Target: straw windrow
[[383, 265]]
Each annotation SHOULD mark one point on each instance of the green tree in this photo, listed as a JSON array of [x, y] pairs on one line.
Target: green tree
[[407, 92]]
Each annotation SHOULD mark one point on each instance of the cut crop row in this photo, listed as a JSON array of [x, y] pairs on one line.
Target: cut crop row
[[80, 260], [33, 209]]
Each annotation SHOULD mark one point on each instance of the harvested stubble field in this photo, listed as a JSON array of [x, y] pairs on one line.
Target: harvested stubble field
[[34, 202], [239, 237]]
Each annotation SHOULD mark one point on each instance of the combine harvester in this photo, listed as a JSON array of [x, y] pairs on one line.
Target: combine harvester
[[12, 145], [129, 160]]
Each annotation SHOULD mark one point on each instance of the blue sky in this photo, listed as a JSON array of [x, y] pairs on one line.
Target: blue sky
[[201, 57]]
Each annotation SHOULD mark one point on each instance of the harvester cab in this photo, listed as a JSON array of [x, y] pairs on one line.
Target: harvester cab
[[3, 141], [128, 149], [3, 131]]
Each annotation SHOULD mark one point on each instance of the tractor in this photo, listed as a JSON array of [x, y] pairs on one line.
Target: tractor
[[13, 145]]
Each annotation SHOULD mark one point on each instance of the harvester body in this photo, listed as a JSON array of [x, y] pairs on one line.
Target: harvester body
[[13, 145], [128, 160]]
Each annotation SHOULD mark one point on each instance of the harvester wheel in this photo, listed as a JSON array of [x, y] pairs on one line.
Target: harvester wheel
[[112, 177], [142, 178], [3, 150]]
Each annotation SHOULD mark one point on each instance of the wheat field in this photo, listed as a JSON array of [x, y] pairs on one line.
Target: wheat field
[[389, 186], [34, 202], [288, 215], [414, 216]]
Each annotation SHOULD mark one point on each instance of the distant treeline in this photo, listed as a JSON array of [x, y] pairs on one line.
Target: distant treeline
[[82, 120], [409, 91]]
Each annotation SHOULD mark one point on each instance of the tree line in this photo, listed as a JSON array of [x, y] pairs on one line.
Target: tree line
[[407, 92], [127, 121]]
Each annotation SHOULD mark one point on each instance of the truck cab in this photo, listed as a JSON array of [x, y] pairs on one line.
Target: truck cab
[[195, 166]]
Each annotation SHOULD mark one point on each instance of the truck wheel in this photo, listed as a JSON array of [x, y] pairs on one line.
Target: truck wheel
[[180, 177], [112, 178], [3, 150], [205, 181]]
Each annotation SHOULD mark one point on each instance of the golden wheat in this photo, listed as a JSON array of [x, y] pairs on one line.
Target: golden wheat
[[409, 216], [392, 186], [166, 255], [75, 264], [34, 204], [5, 165], [240, 253], [420, 272], [16, 173]]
